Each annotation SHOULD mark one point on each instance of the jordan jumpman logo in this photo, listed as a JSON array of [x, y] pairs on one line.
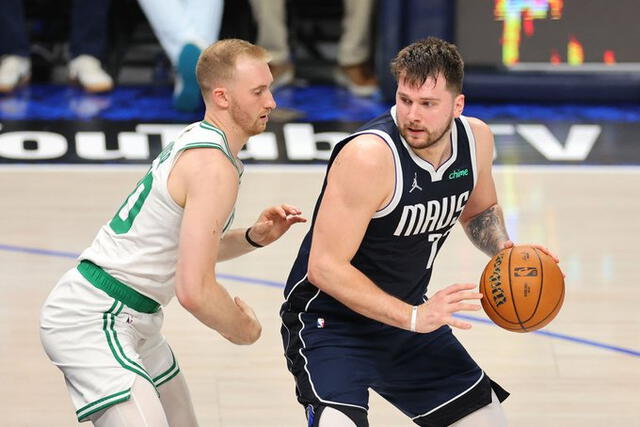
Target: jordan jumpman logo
[[415, 183]]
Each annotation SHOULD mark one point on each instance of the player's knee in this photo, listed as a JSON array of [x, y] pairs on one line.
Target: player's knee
[[143, 408], [491, 415], [328, 416]]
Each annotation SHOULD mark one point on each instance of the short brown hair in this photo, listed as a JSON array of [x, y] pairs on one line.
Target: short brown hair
[[216, 63], [428, 58]]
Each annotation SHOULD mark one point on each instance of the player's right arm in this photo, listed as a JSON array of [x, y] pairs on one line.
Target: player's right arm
[[361, 181], [205, 183]]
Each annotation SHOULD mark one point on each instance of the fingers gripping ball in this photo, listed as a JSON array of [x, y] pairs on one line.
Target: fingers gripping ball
[[522, 289]]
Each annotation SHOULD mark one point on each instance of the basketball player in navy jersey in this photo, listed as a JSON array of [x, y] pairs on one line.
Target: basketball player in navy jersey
[[356, 316]]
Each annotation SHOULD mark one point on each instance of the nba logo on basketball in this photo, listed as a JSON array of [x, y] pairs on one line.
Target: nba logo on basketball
[[320, 322]]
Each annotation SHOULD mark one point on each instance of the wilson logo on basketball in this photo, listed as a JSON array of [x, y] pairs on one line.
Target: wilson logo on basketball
[[525, 272], [497, 293]]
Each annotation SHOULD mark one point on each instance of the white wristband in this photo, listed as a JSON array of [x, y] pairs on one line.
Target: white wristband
[[414, 316]]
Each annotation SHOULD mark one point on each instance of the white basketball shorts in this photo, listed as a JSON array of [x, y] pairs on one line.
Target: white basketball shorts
[[100, 343]]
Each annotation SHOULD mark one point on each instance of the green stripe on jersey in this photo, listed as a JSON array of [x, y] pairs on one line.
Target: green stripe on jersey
[[212, 145], [229, 221], [209, 126]]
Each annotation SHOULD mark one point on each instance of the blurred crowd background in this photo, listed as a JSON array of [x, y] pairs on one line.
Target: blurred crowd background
[[515, 50]]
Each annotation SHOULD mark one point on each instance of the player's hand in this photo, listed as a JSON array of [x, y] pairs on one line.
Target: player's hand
[[252, 329], [274, 222], [439, 309], [510, 244]]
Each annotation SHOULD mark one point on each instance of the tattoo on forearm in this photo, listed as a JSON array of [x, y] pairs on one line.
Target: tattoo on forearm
[[487, 231]]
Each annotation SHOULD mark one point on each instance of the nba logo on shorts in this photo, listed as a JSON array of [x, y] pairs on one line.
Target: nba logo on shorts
[[320, 322]]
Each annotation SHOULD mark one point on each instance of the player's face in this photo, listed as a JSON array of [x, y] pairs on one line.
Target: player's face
[[425, 114], [251, 100]]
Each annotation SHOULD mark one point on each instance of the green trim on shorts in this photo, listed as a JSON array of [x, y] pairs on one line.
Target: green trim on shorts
[[109, 319], [167, 375], [169, 378], [116, 289], [108, 323], [103, 403]]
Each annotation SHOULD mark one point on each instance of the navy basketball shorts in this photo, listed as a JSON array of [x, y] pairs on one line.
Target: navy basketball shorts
[[429, 377]]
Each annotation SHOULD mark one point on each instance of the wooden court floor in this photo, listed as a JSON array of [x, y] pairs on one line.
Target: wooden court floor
[[583, 371]]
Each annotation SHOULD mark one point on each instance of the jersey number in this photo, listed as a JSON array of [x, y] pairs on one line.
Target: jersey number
[[434, 239], [123, 220]]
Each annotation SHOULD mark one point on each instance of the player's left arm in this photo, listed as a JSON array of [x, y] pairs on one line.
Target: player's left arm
[[272, 223], [482, 218]]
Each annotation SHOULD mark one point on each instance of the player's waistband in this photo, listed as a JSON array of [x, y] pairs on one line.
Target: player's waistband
[[116, 289]]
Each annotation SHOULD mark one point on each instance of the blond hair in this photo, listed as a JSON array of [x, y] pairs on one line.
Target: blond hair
[[217, 62]]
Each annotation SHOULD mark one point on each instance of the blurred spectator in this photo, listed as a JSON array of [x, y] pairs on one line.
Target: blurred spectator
[[354, 47], [88, 41], [184, 28]]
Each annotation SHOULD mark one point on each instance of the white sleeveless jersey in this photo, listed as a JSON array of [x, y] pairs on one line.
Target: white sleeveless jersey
[[139, 246]]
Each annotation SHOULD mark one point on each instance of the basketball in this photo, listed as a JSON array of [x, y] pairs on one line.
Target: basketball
[[522, 289]]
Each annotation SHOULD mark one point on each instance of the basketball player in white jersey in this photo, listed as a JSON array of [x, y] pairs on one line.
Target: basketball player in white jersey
[[101, 323]]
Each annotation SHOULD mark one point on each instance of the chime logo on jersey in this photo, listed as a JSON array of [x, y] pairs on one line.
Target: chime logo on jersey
[[458, 173], [434, 215]]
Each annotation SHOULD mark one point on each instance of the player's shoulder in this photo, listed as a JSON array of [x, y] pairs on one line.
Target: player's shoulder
[[203, 172], [481, 132], [201, 144], [478, 126], [483, 138], [367, 150], [199, 134]]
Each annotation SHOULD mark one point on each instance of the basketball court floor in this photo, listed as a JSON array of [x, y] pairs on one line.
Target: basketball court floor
[[581, 370]]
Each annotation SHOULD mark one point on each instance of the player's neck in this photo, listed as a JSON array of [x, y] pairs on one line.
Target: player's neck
[[236, 137], [438, 152]]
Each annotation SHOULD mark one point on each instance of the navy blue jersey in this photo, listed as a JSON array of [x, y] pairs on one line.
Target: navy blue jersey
[[403, 238]]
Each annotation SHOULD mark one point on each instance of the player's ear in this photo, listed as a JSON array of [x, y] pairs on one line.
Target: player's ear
[[458, 105], [220, 97]]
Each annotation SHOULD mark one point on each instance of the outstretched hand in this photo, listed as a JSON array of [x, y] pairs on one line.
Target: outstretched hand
[[439, 309], [273, 222]]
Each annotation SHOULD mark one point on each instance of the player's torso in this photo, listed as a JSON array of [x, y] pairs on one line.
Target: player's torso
[[138, 246], [403, 238]]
